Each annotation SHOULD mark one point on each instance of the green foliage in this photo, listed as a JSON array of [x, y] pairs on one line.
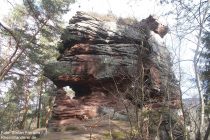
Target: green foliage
[[10, 111], [56, 7], [36, 26], [60, 47]]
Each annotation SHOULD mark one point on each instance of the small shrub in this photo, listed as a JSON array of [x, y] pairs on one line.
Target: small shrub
[[116, 135], [71, 128]]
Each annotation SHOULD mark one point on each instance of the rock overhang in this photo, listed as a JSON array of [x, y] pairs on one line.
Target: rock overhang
[[94, 50], [95, 59]]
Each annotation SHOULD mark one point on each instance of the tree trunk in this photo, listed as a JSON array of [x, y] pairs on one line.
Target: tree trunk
[[26, 107], [49, 110], [198, 85], [39, 106], [15, 56], [202, 19], [207, 131]]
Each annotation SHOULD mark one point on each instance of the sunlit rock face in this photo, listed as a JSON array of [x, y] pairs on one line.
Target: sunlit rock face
[[101, 60]]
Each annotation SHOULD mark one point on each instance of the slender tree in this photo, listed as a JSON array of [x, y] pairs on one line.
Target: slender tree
[[28, 37], [206, 76]]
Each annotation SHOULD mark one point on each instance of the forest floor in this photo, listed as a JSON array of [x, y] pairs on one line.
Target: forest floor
[[92, 130]]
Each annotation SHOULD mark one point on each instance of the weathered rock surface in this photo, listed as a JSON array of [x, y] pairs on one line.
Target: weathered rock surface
[[101, 60]]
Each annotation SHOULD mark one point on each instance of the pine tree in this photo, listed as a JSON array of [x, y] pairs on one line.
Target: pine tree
[[30, 33]]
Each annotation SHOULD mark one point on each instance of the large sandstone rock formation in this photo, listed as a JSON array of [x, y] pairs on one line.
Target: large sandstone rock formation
[[108, 63]]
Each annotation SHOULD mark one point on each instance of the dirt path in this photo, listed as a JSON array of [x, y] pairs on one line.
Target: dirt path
[[103, 130]]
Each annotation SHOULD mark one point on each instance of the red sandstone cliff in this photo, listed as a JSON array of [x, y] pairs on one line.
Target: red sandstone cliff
[[102, 60]]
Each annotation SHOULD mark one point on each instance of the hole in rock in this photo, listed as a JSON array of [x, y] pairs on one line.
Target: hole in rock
[[81, 90]]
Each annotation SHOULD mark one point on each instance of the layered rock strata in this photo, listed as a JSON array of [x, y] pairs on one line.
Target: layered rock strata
[[107, 63]]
